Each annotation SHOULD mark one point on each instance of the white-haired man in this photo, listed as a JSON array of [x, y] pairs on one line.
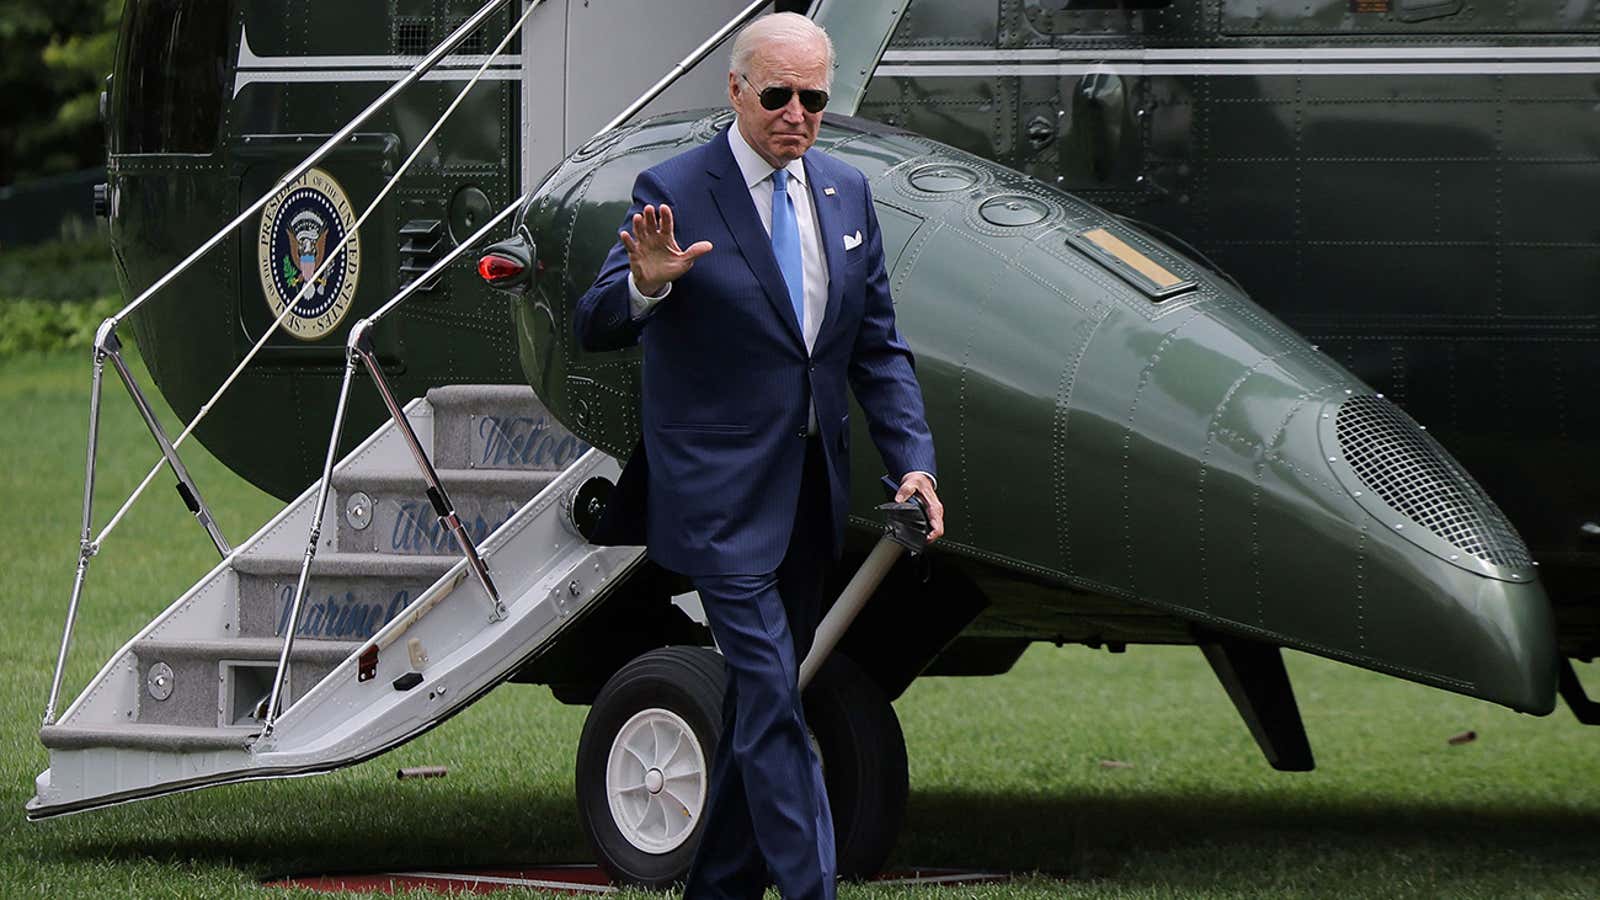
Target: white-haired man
[[752, 336]]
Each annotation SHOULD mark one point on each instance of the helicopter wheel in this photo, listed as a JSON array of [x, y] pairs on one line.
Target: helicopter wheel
[[644, 764], [863, 764]]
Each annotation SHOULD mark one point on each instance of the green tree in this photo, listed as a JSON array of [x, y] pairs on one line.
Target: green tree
[[54, 57]]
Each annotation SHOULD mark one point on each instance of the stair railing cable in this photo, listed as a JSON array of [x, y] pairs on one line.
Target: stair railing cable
[[107, 346], [359, 352]]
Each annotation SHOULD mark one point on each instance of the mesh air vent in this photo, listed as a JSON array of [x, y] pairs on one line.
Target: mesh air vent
[[1408, 469], [411, 37], [475, 43]]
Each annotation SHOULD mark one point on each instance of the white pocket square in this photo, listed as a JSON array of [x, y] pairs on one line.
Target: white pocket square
[[852, 241]]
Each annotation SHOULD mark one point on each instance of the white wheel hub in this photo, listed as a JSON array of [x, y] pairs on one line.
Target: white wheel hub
[[656, 779]]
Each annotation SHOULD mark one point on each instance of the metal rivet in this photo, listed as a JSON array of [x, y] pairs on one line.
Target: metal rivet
[[1399, 525]]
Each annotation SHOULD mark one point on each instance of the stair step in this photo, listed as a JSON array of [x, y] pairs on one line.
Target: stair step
[[349, 597], [203, 683], [511, 482], [499, 427], [348, 565], [139, 736], [455, 397], [389, 513], [325, 652]]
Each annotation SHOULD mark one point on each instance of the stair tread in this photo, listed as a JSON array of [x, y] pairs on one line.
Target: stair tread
[[457, 394], [453, 478], [144, 736], [335, 563], [305, 649]]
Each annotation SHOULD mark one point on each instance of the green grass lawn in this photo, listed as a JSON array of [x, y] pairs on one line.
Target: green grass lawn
[[1006, 773]]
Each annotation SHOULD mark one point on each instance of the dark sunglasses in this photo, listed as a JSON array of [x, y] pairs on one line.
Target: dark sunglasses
[[776, 98]]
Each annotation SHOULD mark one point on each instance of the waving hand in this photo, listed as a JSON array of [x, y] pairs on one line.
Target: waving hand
[[654, 256]]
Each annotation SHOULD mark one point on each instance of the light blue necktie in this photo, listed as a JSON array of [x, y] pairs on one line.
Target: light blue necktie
[[786, 244]]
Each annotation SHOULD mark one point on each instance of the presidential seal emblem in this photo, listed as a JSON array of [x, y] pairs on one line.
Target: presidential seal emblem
[[300, 229]]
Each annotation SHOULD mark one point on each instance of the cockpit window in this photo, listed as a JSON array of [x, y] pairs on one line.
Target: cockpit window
[[168, 89]]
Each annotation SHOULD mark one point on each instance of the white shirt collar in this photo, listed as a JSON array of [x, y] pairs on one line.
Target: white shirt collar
[[752, 166]]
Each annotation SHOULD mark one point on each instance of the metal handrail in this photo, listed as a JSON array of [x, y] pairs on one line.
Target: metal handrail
[[186, 484], [359, 343], [421, 68], [106, 345], [455, 38], [358, 346], [358, 349]]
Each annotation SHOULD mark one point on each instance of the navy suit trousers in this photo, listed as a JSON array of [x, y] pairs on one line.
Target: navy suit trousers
[[767, 817]]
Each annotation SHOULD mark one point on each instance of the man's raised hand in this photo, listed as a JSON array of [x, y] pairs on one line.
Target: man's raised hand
[[654, 257]]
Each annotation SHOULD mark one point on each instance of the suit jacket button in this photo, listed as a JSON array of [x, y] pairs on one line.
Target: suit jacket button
[[801, 434]]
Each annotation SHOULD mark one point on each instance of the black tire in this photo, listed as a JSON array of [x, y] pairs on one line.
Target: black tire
[[686, 682], [855, 728], [864, 764]]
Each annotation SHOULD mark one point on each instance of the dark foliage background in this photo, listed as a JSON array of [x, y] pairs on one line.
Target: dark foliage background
[[54, 58]]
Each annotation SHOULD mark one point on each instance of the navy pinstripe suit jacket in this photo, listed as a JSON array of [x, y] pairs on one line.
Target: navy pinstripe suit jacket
[[727, 381]]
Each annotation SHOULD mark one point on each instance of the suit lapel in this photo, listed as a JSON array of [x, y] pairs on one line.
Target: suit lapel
[[739, 212], [825, 199]]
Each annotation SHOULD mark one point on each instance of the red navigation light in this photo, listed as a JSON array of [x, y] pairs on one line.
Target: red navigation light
[[495, 268]]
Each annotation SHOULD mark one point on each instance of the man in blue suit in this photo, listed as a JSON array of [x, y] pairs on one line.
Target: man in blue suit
[[751, 336]]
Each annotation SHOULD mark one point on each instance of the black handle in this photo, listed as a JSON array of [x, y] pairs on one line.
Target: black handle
[[907, 522]]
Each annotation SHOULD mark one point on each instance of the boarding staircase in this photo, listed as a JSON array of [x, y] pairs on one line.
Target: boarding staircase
[[394, 633], [402, 622]]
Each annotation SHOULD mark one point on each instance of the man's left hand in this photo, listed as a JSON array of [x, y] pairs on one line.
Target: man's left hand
[[921, 485]]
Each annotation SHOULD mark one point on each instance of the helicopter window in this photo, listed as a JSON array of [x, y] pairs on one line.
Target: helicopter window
[[170, 76]]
